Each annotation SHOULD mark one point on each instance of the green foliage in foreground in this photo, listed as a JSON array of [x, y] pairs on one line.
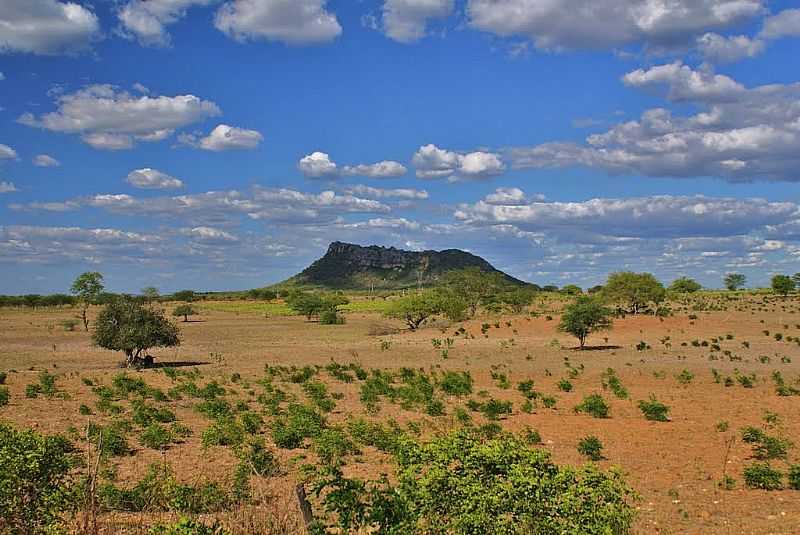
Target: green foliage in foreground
[[462, 483], [34, 481], [187, 527]]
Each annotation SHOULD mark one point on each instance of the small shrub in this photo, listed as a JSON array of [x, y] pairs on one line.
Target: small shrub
[[224, 432], [594, 405], [4, 396], [654, 410], [299, 422], [187, 527], [685, 377], [156, 437], [456, 383], [565, 385], [763, 476], [794, 477], [591, 447]]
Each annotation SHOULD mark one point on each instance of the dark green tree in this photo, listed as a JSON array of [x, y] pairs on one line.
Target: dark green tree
[[634, 290], [734, 281], [185, 311], [685, 285], [782, 285], [415, 308], [585, 316], [127, 326], [87, 288]]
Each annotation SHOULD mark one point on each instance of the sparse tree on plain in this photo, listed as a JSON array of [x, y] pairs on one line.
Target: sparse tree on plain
[[474, 286], [127, 326], [185, 311], [150, 294], [685, 285], [584, 317], [87, 288], [782, 285], [415, 308], [634, 290], [734, 281]]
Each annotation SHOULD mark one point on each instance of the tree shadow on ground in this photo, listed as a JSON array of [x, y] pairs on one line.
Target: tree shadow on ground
[[595, 348]]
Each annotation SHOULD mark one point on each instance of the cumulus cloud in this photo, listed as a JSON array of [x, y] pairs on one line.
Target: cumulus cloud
[[320, 165], [210, 235], [215, 208], [717, 48], [7, 153], [588, 24], [294, 22], [7, 187], [45, 27], [148, 178], [45, 160], [739, 134], [224, 137], [384, 193], [406, 21], [384, 169], [146, 20], [642, 217], [317, 165], [432, 162], [109, 118], [784, 24]]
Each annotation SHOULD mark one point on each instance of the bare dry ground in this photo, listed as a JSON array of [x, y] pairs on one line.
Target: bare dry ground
[[675, 466]]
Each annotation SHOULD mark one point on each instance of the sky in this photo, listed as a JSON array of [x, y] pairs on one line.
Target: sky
[[223, 144]]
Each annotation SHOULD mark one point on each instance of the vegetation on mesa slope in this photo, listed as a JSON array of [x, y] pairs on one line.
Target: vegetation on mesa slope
[[352, 267]]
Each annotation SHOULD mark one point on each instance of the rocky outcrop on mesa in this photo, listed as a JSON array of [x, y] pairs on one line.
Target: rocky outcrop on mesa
[[353, 267]]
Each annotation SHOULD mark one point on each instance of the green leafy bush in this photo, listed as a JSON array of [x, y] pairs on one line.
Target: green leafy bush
[[299, 422], [4, 396], [187, 527], [595, 405], [223, 432], [456, 383], [654, 410], [794, 477], [462, 483], [591, 447], [156, 437], [35, 484], [763, 476]]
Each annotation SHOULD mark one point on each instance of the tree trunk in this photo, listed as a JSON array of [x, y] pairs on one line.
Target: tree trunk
[[85, 320]]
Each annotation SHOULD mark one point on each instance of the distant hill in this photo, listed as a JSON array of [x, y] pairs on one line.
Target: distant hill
[[352, 267]]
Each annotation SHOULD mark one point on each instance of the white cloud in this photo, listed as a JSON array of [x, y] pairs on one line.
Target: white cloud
[[433, 162], [152, 179], [661, 216], [721, 49], [146, 20], [382, 193], [45, 160], [739, 134], [686, 84], [784, 24], [109, 118], [2, 76], [578, 24], [317, 165], [507, 196], [384, 169], [320, 165], [45, 27], [294, 22], [7, 187], [406, 20], [7, 153], [224, 137], [210, 235]]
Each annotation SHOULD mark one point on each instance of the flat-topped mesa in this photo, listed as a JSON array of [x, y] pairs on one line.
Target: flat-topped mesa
[[351, 266]]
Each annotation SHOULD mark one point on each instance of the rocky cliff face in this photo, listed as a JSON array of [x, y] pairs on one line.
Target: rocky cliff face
[[349, 266]]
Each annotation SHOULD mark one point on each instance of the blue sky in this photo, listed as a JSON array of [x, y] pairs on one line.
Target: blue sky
[[222, 144]]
